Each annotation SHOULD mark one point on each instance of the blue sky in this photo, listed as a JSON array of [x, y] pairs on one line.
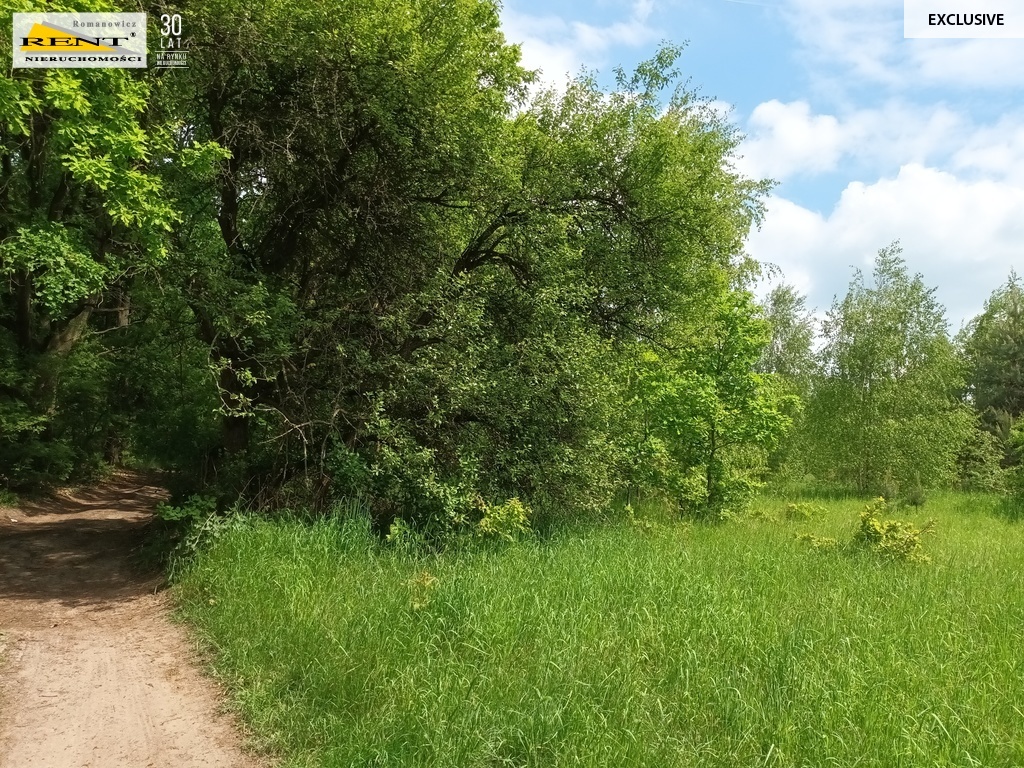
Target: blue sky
[[871, 137]]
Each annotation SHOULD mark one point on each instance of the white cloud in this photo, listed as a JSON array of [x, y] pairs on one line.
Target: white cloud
[[933, 176], [962, 235], [856, 34], [987, 64], [995, 151], [560, 48], [853, 41], [787, 139]]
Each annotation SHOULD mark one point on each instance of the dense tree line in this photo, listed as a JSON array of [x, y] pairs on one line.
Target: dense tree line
[[348, 254], [890, 403]]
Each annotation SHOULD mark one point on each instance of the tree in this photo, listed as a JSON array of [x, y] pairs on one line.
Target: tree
[[709, 420], [789, 353], [420, 294], [385, 271], [885, 415], [83, 212], [993, 344], [789, 359]]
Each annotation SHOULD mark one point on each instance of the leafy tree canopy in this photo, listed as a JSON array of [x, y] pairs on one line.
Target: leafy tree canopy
[[993, 344], [885, 415], [345, 254]]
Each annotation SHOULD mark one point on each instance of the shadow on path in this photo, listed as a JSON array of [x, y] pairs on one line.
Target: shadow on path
[[77, 547], [94, 673]]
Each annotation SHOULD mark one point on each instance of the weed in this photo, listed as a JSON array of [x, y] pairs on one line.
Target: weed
[[763, 514], [421, 587]]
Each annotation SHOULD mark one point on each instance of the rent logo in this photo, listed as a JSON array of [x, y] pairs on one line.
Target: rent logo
[[75, 40]]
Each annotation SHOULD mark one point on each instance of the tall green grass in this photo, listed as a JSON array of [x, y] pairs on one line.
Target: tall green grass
[[728, 645]]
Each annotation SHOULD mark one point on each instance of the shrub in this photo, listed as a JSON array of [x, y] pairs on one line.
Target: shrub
[[1015, 479], [508, 521], [817, 542], [803, 511], [979, 464], [916, 496], [188, 527], [766, 515], [404, 538], [892, 539]]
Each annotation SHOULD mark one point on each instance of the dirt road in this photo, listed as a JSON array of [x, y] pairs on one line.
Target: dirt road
[[93, 673]]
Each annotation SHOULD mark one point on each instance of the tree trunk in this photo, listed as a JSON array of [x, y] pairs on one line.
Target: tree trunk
[[23, 310], [58, 347]]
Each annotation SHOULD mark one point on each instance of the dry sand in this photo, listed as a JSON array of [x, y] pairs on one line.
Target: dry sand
[[93, 673]]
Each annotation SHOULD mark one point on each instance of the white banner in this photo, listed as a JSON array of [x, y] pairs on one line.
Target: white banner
[[963, 18]]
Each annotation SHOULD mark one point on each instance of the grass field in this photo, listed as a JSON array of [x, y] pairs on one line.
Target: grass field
[[703, 645]]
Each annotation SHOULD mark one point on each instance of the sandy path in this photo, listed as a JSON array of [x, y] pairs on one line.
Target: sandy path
[[95, 674]]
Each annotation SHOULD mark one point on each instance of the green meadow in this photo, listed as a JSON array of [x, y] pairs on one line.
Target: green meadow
[[649, 643]]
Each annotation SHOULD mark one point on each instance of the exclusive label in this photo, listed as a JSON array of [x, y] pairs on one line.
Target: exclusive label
[[963, 18]]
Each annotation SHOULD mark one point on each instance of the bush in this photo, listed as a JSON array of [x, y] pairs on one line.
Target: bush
[[803, 511], [508, 521], [1015, 481], [818, 542], [892, 539], [916, 497], [979, 464], [191, 526]]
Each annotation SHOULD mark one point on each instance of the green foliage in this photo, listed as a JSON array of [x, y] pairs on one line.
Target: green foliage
[[26, 460], [789, 353], [885, 414], [803, 511], [993, 347], [789, 359], [377, 268], [190, 527], [406, 539], [421, 587], [194, 509], [508, 521], [85, 211], [821, 543], [891, 539], [434, 293], [1015, 480], [916, 496], [707, 419]]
